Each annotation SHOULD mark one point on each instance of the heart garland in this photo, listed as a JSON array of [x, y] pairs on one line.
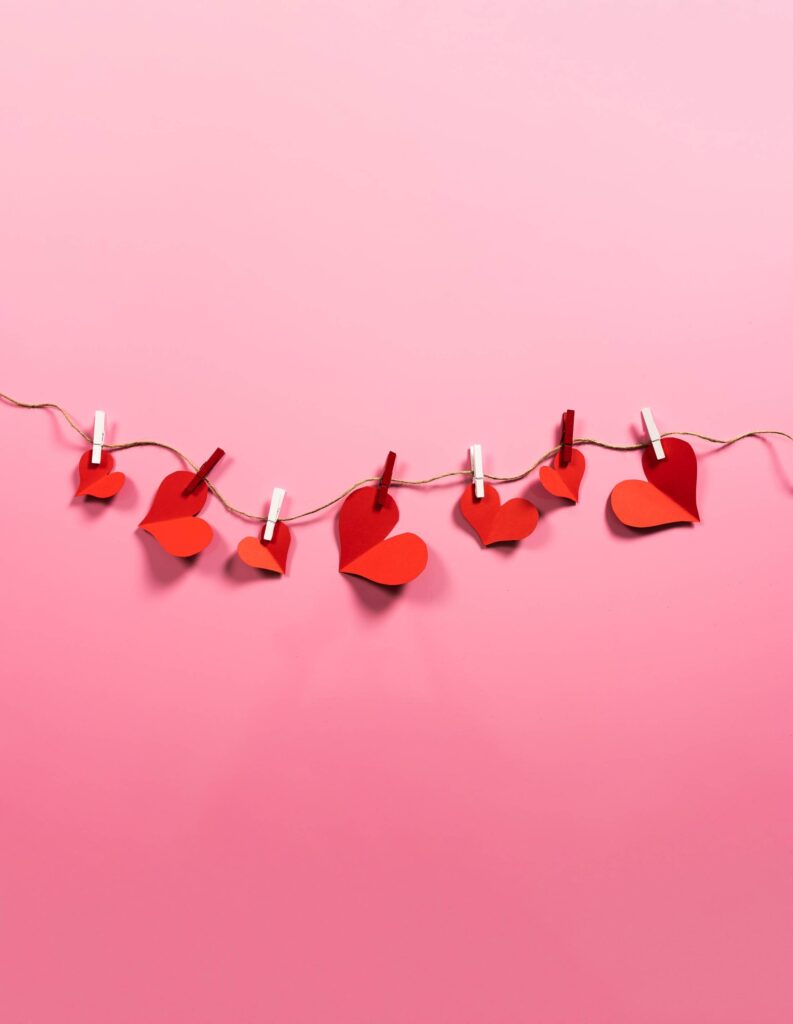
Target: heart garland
[[366, 550], [668, 495]]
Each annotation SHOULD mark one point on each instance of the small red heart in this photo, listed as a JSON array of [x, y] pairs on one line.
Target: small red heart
[[494, 522], [564, 481], [98, 481], [264, 554], [169, 520], [364, 549], [668, 496]]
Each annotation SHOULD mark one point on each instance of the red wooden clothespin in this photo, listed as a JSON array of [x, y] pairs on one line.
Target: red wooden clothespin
[[204, 471], [385, 481], [566, 451]]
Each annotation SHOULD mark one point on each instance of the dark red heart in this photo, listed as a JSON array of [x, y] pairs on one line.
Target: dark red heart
[[170, 519], [668, 496], [366, 549]]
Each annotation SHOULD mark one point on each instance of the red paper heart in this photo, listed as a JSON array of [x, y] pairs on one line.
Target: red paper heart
[[98, 481], [169, 520], [494, 522], [364, 549], [267, 554], [564, 481], [669, 496]]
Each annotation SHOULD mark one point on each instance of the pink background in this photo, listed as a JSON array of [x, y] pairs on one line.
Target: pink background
[[544, 784]]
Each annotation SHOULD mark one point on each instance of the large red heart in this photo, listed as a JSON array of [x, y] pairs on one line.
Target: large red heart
[[494, 522], [98, 481], [364, 549], [564, 481], [267, 554], [668, 496], [170, 518]]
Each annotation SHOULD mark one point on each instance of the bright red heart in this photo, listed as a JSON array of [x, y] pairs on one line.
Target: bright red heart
[[364, 549], [564, 481], [267, 554], [494, 522], [170, 519], [669, 496], [98, 481]]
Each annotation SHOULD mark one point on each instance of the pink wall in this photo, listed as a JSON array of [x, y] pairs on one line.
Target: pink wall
[[546, 784]]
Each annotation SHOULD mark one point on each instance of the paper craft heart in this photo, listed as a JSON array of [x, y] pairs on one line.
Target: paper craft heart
[[494, 522], [668, 496], [98, 481], [564, 481], [267, 554], [170, 518], [366, 549]]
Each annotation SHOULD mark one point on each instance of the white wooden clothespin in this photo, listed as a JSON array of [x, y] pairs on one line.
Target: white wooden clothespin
[[99, 437], [476, 468], [652, 433], [273, 512]]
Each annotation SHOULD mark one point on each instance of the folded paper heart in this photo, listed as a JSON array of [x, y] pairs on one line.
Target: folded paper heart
[[170, 519], [98, 481], [366, 550], [668, 496], [494, 522], [267, 554], [564, 481]]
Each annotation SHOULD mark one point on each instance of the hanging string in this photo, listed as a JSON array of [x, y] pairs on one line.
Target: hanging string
[[577, 442]]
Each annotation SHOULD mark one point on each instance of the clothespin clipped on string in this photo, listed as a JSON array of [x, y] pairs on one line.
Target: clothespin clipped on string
[[203, 472], [475, 452], [652, 433], [274, 511], [99, 437], [385, 481], [566, 450]]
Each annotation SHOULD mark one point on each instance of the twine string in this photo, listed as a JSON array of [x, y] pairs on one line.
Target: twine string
[[252, 517]]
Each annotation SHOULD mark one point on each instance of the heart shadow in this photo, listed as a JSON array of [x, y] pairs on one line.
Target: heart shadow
[[164, 568], [619, 529], [374, 597], [92, 507], [545, 502], [238, 571]]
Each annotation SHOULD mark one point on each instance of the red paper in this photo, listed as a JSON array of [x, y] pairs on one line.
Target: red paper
[[494, 522], [170, 518], [668, 496], [366, 549], [564, 481], [264, 554], [98, 481]]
